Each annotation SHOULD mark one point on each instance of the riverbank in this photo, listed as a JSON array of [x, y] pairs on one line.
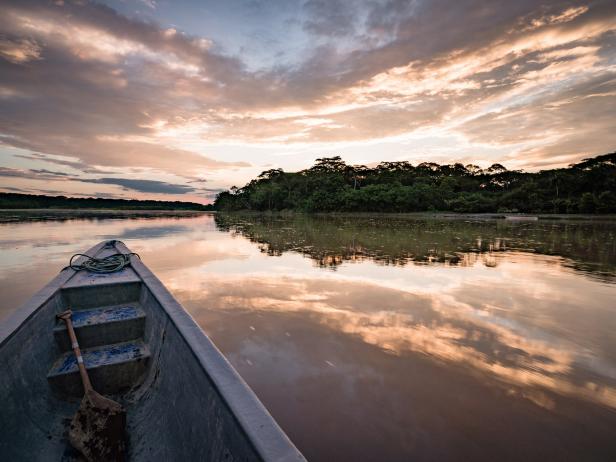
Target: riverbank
[[434, 215], [14, 201], [16, 215]]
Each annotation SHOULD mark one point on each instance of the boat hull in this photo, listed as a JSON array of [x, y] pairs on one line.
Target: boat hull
[[187, 404]]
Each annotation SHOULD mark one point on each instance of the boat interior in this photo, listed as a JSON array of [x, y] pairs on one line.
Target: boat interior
[[183, 399]]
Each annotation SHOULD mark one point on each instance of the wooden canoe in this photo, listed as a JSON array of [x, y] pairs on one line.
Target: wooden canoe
[[184, 400]]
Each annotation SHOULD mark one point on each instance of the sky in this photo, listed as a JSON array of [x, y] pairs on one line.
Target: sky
[[178, 100]]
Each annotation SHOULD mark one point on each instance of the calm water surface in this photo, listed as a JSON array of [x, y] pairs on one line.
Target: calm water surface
[[373, 338]]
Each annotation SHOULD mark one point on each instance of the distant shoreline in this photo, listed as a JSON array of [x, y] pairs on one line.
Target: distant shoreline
[[444, 214], [34, 215], [86, 210], [294, 213], [14, 201]]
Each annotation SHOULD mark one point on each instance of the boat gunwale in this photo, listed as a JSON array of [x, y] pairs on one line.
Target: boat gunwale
[[267, 438]]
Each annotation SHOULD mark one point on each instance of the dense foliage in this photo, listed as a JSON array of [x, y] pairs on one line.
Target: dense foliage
[[332, 185], [30, 201]]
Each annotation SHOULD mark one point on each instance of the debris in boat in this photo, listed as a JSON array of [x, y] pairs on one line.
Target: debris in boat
[[97, 429]]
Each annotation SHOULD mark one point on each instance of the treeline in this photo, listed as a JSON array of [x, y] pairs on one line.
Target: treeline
[[333, 186], [31, 201]]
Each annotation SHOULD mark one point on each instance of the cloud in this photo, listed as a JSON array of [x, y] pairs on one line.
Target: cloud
[[86, 95], [64, 161], [127, 184], [38, 174], [86, 88], [20, 50], [329, 17], [13, 189], [567, 125], [147, 186], [149, 3]]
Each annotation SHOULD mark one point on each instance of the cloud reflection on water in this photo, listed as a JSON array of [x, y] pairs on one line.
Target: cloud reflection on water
[[438, 326]]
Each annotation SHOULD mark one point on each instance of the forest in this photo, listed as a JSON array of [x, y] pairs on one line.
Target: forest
[[331, 185], [32, 201]]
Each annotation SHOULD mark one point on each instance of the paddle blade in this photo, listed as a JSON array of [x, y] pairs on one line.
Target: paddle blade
[[98, 429]]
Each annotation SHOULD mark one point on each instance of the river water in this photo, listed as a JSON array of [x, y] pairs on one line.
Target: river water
[[380, 338]]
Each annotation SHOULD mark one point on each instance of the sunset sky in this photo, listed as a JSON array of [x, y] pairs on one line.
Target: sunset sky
[[177, 100]]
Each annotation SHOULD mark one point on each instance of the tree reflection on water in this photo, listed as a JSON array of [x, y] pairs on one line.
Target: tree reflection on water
[[587, 246]]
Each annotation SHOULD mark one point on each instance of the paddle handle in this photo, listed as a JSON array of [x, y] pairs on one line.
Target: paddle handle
[[85, 379]]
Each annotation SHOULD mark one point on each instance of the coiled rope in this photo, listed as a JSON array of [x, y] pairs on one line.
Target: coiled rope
[[109, 264]]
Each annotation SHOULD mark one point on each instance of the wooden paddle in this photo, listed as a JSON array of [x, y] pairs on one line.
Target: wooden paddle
[[97, 429]]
